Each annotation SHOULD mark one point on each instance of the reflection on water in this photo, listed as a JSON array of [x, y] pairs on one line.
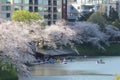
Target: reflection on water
[[82, 69], [75, 77], [53, 70]]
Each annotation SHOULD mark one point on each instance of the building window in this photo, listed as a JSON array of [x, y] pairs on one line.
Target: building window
[[40, 9], [17, 7], [75, 0], [49, 9], [46, 2], [54, 2], [6, 8], [36, 2], [46, 16], [107, 1], [36, 9], [59, 16], [54, 22], [40, 1], [45, 9], [3, 15], [18, 1], [26, 8], [54, 16], [54, 9], [58, 2], [64, 1], [30, 1], [6, 15], [49, 16], [6, 1], [26, 1], [49, 22], [49, 2], [59, 9], [31, 9]]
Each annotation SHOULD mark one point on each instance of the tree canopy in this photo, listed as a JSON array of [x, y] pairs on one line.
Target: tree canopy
[[17, 43], [23, 15], [18, 39], [97, 18]]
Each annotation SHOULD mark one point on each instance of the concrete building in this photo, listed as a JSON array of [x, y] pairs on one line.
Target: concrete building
[[76, 8], [118, 9], [50, 9]]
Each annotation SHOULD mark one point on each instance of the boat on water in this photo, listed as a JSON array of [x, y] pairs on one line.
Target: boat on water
[[64, 61], [100, 61]]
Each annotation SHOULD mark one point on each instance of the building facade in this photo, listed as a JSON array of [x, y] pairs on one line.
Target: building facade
[[76, 8], [51, 10], [118, 9]]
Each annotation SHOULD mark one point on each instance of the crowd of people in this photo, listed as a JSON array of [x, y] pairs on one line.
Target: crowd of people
[[53, 60]]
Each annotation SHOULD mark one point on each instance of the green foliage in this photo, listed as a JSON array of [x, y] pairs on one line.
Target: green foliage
[[116, 23], [23, 15], [7, 71], [117, 77], [87, 49], [97, 18], [43, 24]]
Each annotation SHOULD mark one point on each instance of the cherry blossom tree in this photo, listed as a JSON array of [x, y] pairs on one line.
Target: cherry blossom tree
[[113, 33], [80, 32], [58, 35], [18, 40], [90, 33], [16, 43]]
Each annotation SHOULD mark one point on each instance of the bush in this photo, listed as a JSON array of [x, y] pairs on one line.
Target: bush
[[7, 71], [97, 18], [23, 15]]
